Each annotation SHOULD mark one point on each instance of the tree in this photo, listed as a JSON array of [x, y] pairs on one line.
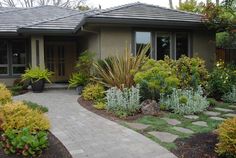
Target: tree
[[190, 6], [171, 4], [33, 3]]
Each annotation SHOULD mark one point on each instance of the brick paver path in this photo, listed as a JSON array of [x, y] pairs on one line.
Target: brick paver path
[[87, 135]]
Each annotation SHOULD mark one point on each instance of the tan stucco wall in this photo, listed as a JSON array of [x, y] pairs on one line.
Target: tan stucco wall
[[114, 40], [204, 46], [41, 51]]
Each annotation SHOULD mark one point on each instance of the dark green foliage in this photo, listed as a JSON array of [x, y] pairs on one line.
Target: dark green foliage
[[35, 106], [23, 142]]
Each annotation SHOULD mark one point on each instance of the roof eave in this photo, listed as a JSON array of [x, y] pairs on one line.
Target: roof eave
[[45, 31], [144, 22]]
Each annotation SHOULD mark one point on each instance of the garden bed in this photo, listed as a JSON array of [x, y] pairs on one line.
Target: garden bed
[[104, 113], [55, 150]]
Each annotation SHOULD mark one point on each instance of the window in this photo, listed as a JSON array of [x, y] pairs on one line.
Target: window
[[162, 45], [182, 44], [3, 58], [142, 40], [12, 57]]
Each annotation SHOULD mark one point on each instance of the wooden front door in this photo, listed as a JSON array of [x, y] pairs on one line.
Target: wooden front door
[[61, 59]]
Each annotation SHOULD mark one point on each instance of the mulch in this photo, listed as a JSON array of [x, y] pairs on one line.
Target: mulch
[[55, 150], [197, 146]]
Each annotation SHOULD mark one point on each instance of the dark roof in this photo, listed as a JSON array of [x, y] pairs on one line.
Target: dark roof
[[51, 18]]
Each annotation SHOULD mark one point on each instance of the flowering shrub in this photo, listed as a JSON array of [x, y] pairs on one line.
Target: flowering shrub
[[5, 94], [221, 80], [156, 77], [227, 138], [185, 101], [123, 102]]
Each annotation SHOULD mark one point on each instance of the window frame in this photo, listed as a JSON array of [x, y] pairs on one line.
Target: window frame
[[135, 41], [171, 41], [10, 64]]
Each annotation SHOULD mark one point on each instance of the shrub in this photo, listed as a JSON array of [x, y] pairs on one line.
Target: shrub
[[100, 105], [23, 142], [93, 92], [119, 71], [185, 101], [35, 106], [123, 102], [83, 67], [227, 138], [17, 115], [190, 71], [230, 97], [36, 74], [5, 94], [156, 77], [221, 80]]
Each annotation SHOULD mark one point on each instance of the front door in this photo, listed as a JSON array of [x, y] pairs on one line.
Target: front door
[[61, 59]]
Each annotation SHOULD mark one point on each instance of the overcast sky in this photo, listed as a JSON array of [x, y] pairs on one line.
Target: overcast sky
[[110, 3]]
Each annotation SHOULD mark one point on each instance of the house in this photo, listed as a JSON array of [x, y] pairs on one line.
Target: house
[[53, 37]]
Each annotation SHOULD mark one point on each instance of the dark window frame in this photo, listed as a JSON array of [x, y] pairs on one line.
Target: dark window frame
[[10, 64]]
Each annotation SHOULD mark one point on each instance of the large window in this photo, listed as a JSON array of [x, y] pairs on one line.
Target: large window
[[142, 39], [182, 44], [163, 44], [3, 58], [12, 57]]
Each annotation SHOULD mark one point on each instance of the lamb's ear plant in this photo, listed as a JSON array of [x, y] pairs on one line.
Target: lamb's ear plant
[[36, 74], [230, 97]]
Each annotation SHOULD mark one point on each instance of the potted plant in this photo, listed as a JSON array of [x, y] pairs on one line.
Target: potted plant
[[37, 78], [78, 81]]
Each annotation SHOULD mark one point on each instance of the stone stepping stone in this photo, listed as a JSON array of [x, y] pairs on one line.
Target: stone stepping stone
[[217, 118], [211, 113], [164, 136], [171, 121], [193, 117], [233, 106], [137, 126], [200, 123], [223, 110], [229, 115], [183, 130]]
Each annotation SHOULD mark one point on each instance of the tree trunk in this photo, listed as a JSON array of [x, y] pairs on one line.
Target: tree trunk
[[217, 2], [171, 4]]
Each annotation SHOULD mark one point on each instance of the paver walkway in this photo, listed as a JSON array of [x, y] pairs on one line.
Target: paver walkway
[[87, 135]]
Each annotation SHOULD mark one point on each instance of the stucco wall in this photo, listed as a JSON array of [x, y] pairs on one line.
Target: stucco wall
[[204, 46], [114, 40]]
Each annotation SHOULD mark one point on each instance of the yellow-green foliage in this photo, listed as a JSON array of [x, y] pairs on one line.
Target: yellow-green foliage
[[190, 71], [227, 138], [158, 75], [93, 92], [17, 115], [100, 105], [5, 94]]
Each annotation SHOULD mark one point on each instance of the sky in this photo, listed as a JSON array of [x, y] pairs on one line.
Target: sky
[[110, 3]]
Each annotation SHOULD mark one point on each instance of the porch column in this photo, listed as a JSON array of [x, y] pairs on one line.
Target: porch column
[[37, 51]]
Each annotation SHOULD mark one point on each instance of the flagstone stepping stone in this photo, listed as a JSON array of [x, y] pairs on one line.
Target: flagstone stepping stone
[[164, 136], [217, 118], [229, 115], [193, 117], [211, 113], [200, 123], [171, 121], [183, 130], [137, 126], [223, 109]]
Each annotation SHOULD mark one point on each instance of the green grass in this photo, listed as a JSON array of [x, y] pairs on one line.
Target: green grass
[[158, 124], [36, 106]]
